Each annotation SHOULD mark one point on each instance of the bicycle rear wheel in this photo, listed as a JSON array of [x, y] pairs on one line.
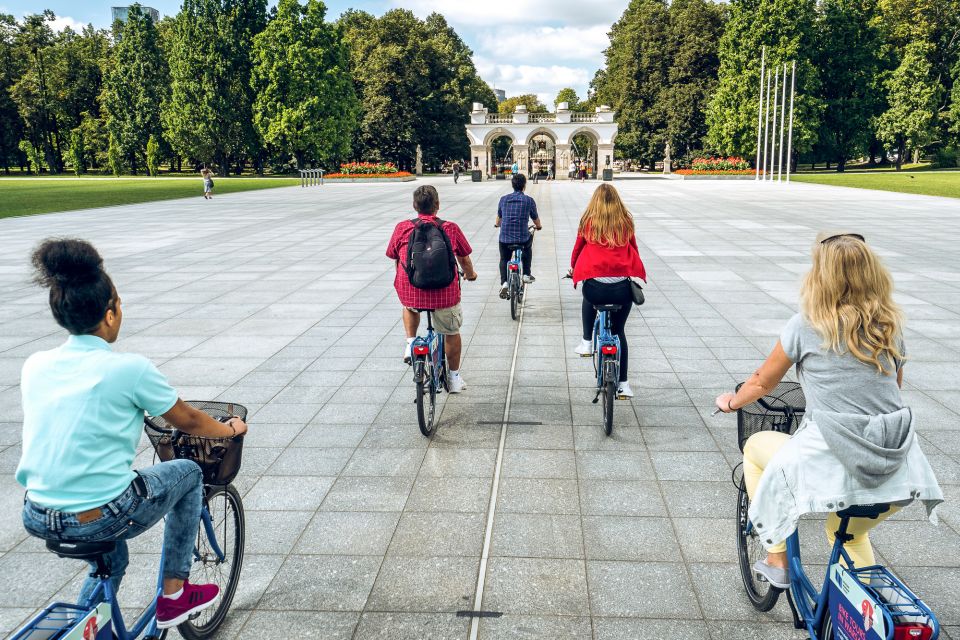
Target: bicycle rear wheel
[[426, 402], [609, 395], [514, 298], [762, 594], [229, 529]]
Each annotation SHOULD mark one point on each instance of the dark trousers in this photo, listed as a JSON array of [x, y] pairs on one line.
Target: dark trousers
[[456, 176], [617, 293], [506, 255]]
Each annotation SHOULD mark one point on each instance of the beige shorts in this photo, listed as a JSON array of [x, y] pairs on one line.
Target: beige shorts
[[447, 321]]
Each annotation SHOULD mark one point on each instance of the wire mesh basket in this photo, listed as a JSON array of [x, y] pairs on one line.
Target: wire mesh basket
[[780, 410], [219, 458]]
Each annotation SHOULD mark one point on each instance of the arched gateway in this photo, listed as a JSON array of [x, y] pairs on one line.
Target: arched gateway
[[559, 138]]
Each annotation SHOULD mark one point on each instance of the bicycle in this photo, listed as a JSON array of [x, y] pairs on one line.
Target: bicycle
[[100, 618], [854, 602], [429, 362], [516, 287]]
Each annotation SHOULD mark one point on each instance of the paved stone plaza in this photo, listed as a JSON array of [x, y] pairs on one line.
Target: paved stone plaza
[[358, 527]]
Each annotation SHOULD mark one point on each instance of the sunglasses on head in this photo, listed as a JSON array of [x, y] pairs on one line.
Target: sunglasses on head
[[843, 235]]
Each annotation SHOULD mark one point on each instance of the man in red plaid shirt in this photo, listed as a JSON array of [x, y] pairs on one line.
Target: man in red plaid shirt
[[444, 303]]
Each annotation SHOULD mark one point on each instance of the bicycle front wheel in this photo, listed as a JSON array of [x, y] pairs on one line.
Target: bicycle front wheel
[[762, 594], [229, 535]]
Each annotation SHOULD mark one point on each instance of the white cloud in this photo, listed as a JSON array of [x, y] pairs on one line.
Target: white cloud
[[537, 44], [545, 81], [62, 22], [472, 13]]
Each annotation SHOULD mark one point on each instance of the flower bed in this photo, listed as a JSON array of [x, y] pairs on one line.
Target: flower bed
[[716, 172], [368, 168], [700, 166], [341, 175]]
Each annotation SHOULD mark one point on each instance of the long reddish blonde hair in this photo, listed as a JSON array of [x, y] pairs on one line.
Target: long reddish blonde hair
[[606, 221]]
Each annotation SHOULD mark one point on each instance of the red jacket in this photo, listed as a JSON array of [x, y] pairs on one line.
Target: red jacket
[[591, 260]]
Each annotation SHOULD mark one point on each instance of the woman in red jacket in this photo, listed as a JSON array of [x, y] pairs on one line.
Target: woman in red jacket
[[605, 257]]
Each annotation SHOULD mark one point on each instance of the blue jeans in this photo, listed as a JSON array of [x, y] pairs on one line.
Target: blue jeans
[[173, 489]]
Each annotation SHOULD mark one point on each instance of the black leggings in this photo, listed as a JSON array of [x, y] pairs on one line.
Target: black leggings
[[506, 255], [616, 293]]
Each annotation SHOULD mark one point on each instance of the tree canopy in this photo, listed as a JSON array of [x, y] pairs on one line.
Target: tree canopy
[[529, 100]]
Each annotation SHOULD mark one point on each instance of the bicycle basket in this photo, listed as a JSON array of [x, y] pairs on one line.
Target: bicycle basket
[[783, 411], [219, 458]]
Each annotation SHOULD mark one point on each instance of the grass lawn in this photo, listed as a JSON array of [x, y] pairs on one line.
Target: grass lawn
[[28, 196], [930, 183]]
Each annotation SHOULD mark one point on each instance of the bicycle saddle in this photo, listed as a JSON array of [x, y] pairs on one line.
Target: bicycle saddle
[[80, 550], [607, 307], [871, 511]]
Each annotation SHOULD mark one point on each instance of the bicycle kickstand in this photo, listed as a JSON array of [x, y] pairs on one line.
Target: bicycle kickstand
[[596, 398]]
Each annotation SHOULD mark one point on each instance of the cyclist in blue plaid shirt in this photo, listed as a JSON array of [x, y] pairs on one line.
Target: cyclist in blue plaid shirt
[[514, 214]]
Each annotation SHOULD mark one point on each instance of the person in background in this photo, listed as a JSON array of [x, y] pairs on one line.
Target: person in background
[[207, 182], [514, 213]]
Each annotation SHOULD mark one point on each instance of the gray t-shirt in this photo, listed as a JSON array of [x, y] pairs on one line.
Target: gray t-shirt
[[839, 382]]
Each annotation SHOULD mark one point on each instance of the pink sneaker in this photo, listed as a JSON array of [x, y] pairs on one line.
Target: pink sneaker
[[195, 598]]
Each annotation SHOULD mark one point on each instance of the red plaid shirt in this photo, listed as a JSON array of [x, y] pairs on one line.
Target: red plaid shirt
[[409, 295]]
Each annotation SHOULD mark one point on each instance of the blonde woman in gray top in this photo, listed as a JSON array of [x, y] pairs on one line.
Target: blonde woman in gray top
[[857, 444]]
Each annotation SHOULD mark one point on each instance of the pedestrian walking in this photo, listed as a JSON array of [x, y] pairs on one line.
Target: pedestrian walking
[[536, 172], [207, 182], [456, 171]]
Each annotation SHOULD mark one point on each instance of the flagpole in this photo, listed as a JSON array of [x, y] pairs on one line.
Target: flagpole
[[793, 89], [766, 128], [783, 120], [773, 127], [763, 62]]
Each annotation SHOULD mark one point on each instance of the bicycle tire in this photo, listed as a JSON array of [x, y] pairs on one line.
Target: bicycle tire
[[208, 621], [826, 628], [609, 396], [514, 299], [426, 406], [763, 596]]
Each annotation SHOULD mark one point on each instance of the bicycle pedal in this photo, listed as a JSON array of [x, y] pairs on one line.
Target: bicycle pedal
[[586, 355]]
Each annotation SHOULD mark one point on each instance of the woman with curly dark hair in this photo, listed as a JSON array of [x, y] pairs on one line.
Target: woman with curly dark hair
[[83, 407]]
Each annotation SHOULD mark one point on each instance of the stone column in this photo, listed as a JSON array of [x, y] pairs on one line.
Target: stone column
[[479, 159], [563, 160], [521, 153]]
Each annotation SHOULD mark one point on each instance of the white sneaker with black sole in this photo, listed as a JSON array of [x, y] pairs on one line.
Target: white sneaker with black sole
[[584, 349]]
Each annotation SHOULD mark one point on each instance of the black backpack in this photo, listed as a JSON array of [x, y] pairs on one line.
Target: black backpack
[[430, 260]]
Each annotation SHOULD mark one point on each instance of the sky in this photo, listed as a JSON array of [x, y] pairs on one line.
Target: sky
[[521, 46]]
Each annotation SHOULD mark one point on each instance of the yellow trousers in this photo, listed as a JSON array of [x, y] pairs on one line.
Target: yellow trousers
[[757, 453]]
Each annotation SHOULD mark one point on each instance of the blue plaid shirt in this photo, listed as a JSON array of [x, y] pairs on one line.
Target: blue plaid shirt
[[515, 211]]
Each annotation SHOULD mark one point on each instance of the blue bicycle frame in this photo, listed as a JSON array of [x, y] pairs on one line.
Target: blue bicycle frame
[[810, 606], [60, 617], [434, 345], [603, 338]]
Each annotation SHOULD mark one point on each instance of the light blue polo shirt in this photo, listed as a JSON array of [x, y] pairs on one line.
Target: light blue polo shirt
[[83, 407]]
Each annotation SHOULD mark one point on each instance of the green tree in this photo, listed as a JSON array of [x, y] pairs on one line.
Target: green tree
[[849, 46], [913, 96], [78, 152], [76, 73], [305, 102], [634, 77], [416, 81], [209, 114], [35, 99], [787, 28], [115, 157], [693, 35], [134, 87], [153, 156], [529, 100], [11, 66], [35, 160], [569, 96]]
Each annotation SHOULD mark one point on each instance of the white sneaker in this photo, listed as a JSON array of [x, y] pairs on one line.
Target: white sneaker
[[455, 383], [504, 291], [408, 353], [585, 348], [529, 279], [624, 391]]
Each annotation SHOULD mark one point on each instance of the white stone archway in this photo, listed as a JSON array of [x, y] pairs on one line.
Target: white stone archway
[[522, 126]]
